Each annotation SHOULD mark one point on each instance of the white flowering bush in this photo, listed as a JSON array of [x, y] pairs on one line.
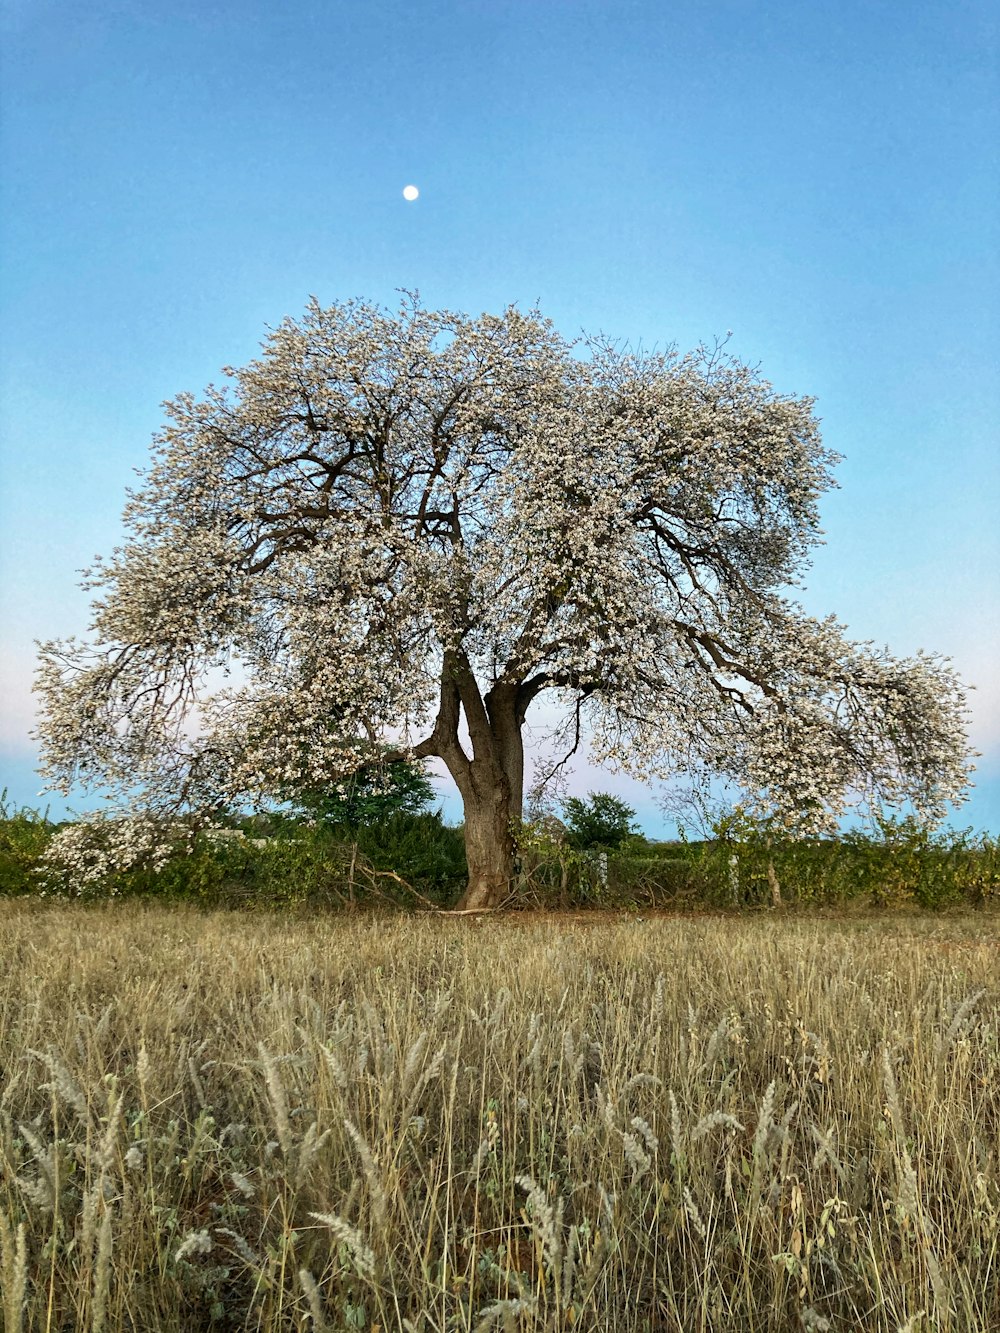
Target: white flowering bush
[[403, 530], [95, 852]]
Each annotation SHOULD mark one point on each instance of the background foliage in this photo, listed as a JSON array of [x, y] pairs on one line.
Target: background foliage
[[410, 857], [369, 797]]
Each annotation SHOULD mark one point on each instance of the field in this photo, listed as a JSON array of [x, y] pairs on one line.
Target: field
[[311, 1121]]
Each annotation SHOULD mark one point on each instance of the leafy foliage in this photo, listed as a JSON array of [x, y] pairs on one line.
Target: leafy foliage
[[24, 836], [891, 862], [284, 860], [418, 847], [296, 862], [602, 820], [370, 796]]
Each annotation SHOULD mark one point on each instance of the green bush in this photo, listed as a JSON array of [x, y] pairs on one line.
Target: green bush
[[895, 861], [905, 861], [413, 857], [656, 873], [369, 797], [297, 861], [418, 847], [601, 821], [748, 863], [203, 872], [24, 835]]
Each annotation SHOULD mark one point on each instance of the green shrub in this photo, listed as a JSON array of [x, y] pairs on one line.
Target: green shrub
[[601, 821], [280, 861], [24, 835], [902, 860], [418, 847], [895, 861], [202, 873], [654, 873], [413, 858], [369, 797]]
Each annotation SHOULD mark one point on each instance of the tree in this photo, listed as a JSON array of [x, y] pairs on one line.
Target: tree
[[369, 796], [602, 820], [413, 526]]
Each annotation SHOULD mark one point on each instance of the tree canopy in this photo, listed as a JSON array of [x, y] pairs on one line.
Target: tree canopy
[[407, 527], [601, 821], [369, 796]]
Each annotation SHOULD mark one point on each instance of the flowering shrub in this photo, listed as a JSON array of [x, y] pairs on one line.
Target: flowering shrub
[[403, 858], [96, 853]]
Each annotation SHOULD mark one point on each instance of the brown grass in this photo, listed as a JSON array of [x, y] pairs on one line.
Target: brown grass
[[227, 1122]]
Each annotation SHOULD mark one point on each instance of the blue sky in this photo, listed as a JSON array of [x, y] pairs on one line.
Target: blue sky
[[821, 179]]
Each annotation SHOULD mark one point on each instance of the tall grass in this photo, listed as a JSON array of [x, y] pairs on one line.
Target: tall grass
[[210, 1121]]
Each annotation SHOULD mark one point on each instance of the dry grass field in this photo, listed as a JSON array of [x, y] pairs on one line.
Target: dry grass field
[[318, 1122]]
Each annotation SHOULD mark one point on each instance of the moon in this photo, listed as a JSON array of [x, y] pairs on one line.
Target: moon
[[410, 192]]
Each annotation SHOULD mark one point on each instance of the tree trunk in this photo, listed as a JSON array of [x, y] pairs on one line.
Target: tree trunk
[[773, 884], [489, 845], [772, 879], [491, 780]]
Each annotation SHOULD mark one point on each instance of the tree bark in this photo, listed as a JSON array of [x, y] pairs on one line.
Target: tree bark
[[489, 843]]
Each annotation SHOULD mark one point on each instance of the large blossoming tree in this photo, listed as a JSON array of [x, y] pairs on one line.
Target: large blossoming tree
[[405, 530]]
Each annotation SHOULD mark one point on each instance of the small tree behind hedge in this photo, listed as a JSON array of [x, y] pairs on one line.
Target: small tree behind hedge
[[602, 821], [369, 796]]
